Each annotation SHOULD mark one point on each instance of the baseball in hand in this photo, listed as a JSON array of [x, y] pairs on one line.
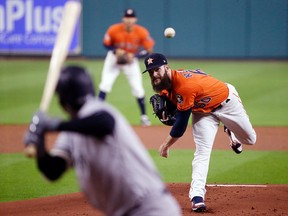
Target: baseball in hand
[[169, 32]]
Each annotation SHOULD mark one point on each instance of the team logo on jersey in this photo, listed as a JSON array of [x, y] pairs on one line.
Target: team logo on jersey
[[150, 61], [179, 99], [202, 103]]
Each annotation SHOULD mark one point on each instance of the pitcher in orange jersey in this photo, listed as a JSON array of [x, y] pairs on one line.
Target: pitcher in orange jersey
[[210, 101], [126, 41]]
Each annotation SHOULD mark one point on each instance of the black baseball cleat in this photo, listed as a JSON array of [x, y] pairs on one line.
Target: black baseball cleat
[[198, 204], [236, 146]]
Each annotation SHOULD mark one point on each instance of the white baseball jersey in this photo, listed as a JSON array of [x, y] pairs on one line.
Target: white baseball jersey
[[116, 173]]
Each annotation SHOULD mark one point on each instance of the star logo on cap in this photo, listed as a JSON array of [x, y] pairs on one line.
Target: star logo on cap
[[150, 61], [129, 11]]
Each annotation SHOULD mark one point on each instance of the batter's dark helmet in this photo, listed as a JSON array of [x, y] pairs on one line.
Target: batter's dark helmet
[[74, 87]]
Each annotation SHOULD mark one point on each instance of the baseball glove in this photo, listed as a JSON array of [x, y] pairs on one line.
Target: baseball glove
[[122, 59], [164, 109]]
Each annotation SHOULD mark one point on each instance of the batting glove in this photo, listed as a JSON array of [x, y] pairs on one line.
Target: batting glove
[[40, 124]]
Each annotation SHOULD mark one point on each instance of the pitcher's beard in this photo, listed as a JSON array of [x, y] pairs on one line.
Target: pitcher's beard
[[164, 84]]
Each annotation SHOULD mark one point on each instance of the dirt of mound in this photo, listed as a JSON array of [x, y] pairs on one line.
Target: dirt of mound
[[221, 200]]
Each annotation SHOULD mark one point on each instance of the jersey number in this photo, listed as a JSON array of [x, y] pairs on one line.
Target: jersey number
[[189, 73]]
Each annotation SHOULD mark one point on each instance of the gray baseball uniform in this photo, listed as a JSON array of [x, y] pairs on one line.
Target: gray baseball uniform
[[116, 173]]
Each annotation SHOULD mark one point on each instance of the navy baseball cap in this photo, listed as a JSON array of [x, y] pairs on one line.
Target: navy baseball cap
[[154, 60], [129, 13]]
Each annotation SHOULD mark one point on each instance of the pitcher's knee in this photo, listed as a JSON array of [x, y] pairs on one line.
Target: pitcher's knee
[[252, 139]]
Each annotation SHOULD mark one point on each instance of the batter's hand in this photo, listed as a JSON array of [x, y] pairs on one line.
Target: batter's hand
[[40, 123], [164, 151]]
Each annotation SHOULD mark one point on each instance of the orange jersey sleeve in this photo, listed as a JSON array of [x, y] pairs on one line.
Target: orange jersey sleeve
[[133, 41], [197, 90]]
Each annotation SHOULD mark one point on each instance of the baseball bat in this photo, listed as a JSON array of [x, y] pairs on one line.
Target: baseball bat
[[71, 13]]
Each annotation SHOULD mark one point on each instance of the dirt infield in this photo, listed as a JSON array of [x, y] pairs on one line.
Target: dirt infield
[[221, 200]]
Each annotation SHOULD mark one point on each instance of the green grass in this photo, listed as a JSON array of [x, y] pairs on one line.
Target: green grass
[[20, 179], [262, 86], [260, 167]]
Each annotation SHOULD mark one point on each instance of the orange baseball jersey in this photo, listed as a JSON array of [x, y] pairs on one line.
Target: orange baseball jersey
[[117, 36], [197, 90]]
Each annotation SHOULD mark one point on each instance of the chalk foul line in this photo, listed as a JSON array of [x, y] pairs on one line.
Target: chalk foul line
[[234, 185]]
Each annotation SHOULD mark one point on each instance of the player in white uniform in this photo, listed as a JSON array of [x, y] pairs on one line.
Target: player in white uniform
[[114, 170], [126, 42]]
